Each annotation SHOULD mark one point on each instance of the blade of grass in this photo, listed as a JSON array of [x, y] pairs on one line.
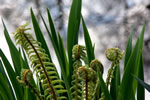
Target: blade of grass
[[63, 54], [39, 34], [103, 86], [58, 41], [2, 71], [17, 59], [12, 76], [13, 51], [57, 50], [128, 48], [52, 28], [145, 85], [140, 88], [25, 59], [26, 94], [126, 89], [4, 87], [88, 43], [65, 68], [132, 67], [1, 95], [59, 56], [115, 83], [73, 29], [21, 60]]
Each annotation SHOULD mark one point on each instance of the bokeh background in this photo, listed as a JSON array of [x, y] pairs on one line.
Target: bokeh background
[[109, 23]]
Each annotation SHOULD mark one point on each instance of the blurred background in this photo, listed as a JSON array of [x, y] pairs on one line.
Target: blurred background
[[109, 23]]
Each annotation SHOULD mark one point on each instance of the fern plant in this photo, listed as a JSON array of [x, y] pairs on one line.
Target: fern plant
[[45, 70], [35, 76]]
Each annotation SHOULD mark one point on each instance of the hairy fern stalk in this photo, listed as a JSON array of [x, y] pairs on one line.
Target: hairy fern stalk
[[45, 70]]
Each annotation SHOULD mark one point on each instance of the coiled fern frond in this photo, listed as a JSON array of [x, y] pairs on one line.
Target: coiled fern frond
[[88, 76], [96, 65], [45, 70], [114, 55], [26, 81], [78, 56]]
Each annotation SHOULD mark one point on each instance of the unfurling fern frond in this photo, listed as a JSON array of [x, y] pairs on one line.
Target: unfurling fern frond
[[96, 65], [88, 76], [114, 55], [78, 56], [45, 70], [26, 80]]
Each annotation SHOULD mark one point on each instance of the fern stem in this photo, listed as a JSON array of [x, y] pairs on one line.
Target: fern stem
[[86, 80], [110, 74], [42, 65], [34, 90]]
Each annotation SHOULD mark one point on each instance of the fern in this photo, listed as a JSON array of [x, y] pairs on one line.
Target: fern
[[84, 79], [88, 77], [26, 80], [78, 56], [45, 70], [96, 64], [114, 55]]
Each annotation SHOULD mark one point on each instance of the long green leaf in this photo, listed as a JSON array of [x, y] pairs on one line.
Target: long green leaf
[[56, 45], [140, 88], [57, 40], [115, 83], [88, 43], [73, 29], [21, 60], [103, 86], [52, 28], [132, 67], [17, 59], [128, 48], [65, 68], [63, 54], [25, 59], [13, 51], [39, 34], [145, 85], [4, 88], [26, 94], [59, 56], [2, 71], [12, 76]]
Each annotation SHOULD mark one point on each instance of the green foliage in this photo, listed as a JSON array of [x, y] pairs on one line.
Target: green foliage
[[41, 64], [82, 74]]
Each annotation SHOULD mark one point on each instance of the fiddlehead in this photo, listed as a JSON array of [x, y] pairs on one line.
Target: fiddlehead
[[96, 65], [26, 78], [78, 56], [114, 55], [45, 70], [88, 77]]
